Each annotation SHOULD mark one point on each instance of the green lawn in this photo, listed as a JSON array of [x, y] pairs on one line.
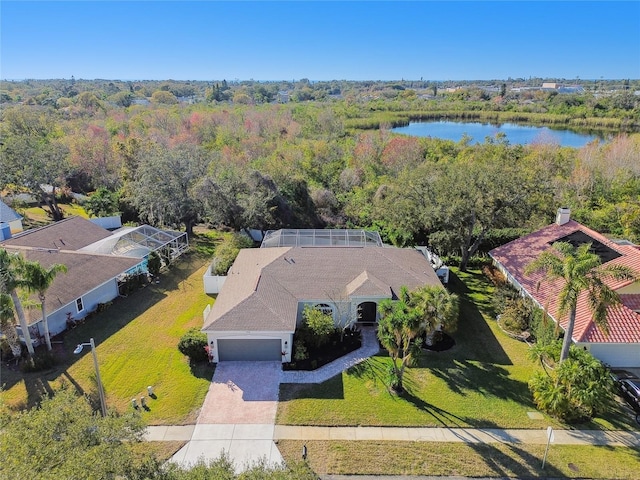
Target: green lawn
[[457, 459], [136, 341], [480, 382]]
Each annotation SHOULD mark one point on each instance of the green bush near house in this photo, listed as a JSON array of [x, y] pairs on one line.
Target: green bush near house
[[227, 251], [154, 263], [193, 344]]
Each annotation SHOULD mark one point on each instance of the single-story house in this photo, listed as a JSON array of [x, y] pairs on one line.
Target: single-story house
[[345, 274], [8, 216], [621, 347], [97, 262]]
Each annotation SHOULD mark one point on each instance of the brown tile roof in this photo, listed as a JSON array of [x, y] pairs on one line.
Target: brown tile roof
[[624, 323], [71, 233], [264, 285], [84, 273]]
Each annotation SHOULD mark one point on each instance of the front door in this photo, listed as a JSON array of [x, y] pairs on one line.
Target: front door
[[368, 313]]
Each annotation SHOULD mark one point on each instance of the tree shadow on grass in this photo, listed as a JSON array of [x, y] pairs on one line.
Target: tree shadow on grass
[[373, 369], [474, 339], [443, 417], [514, 462], [488, 379]]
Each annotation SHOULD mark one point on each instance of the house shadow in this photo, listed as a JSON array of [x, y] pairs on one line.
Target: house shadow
[[332, 389]]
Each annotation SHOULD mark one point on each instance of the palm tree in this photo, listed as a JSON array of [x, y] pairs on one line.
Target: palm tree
[[38, 279], [9, 282], [581, 271], [398, 327], [437, 307], [7, 324]]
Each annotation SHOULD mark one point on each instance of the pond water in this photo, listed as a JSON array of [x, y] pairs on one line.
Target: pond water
[[516, 134]]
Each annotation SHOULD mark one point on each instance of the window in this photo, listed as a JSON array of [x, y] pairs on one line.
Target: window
[[324, 308], [79, 305]]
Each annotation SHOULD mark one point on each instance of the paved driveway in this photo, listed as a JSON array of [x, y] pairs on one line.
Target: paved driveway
[[242, 392], [238, 416]]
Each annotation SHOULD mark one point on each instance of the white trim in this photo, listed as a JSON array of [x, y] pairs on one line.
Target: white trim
[[286, 339]]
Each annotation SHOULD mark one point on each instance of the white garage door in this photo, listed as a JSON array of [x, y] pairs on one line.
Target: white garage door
[[617, 355], [249, 349]]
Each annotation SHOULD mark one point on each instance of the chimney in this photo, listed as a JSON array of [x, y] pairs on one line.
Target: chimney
[[564, 215]]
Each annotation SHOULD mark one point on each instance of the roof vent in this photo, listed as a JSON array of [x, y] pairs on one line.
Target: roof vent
[[564, 215]]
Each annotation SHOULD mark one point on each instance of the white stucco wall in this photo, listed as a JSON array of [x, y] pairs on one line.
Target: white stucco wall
[[615, 354]]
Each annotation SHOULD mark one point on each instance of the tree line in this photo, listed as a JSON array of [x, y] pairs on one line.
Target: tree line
[[299, 165]]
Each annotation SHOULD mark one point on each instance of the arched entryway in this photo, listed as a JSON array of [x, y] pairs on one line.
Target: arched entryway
[[367, 312]]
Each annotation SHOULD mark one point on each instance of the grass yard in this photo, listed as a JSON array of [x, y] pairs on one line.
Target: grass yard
[[38, 216], [480, 382], [457, 459], [136, 342]]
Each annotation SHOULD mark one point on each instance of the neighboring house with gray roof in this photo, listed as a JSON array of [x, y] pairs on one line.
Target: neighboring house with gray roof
[[9, 217], [94, 273], [261, 302]]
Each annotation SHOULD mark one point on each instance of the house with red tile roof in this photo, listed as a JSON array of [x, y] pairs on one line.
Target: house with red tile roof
[[621, 346], [263, 297]]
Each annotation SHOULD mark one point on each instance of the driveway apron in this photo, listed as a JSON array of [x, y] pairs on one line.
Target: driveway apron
[[237, 417]]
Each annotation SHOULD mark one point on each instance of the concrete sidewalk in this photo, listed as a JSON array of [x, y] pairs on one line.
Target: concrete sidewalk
[[408, 434]]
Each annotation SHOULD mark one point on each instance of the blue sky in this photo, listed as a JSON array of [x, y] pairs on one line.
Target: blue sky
[[327, 40]]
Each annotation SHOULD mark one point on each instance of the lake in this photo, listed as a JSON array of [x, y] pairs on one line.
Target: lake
[[516, 134]]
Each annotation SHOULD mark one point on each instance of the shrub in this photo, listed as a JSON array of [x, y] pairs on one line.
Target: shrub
[[579, 388], [543, 328], [300, 351], [227, 252], [518, 314], [132, 282], [193, 344], [154, 263], [317, 327], [495, 276], [503, 296]]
